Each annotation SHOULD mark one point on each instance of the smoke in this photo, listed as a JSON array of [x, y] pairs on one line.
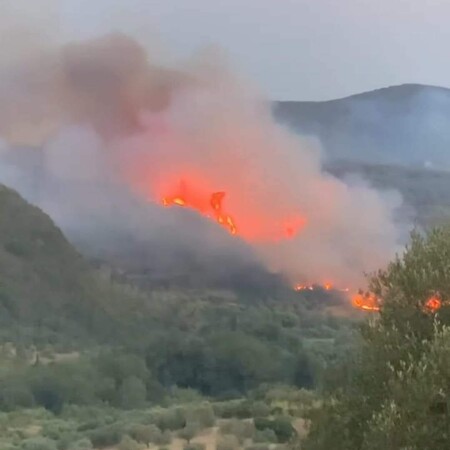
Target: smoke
[[116, 131]]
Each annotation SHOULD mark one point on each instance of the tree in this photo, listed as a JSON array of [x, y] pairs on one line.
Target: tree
[[397, 394], [132, 393], [189, 431]]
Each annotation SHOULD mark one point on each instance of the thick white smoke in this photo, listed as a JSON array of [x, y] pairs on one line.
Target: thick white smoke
[[119, 131]]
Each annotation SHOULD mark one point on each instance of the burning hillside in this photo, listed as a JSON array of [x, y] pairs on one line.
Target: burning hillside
[[117, 128]]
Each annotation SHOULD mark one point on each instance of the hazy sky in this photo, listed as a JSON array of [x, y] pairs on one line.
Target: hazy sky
[[294, 49]]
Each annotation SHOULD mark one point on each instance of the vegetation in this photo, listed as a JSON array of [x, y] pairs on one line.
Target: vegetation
[[395, 392]]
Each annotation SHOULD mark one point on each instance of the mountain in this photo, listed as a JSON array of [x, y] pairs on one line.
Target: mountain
[[406, 125]]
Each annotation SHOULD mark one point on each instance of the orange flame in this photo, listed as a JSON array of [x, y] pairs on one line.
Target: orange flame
[[366, 301], [433, 304], [215, 202], [254, 227]]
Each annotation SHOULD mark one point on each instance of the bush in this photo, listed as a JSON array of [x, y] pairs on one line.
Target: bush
[[265, 436], [82, 444], [171, 419], [228, 442], [38, 443], [240, 409], [202, 415], [196, 446], [106, 436], [146, 434], [239, 428], [132, 393], [260, 409], [189, 431], [129, 444], [281, 426], [258, 447], [165, 438]]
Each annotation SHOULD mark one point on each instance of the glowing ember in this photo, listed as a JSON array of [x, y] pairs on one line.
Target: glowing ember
[[433, 303], [366, 301], [312, 287]]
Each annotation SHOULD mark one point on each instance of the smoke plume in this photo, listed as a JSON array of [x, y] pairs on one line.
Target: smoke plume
[[100, 135]]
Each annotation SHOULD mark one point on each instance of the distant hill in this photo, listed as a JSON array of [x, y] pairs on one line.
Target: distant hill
[[407, 124]]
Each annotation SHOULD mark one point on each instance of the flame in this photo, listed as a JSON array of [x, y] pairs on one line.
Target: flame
[[366, 301], [433, 304], [325, 286], [253, 226], [215, 201]]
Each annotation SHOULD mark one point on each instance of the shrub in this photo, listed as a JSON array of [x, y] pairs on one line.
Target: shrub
[[240, 409], [132, 393], [203, 415], [265, 436], [258, 447], [129, 444], [228, 442], [194, 446], [146, 434], [239, 428], [260, 409], [281, 426], [189, 431], [171, 419], [106, 436], [165, 438], [82, 444], [38, 443]]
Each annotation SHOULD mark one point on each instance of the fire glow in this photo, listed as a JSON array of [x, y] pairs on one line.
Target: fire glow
[[251, 226]]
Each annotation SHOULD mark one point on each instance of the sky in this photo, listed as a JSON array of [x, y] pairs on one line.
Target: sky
[[291, 49]]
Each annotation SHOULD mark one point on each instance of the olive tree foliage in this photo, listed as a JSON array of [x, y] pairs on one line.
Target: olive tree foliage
[[398, 392]]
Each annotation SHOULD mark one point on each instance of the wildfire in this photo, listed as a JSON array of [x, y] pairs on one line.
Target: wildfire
[[433, 304], [366, 301], [254, 226], [312, 287], [215, 203]]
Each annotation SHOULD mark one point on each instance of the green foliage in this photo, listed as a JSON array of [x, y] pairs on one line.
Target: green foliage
[[281, 426], [106, 436], [397, 393], [132, 393], [202, 415], [129, 444], [189, 431], [82, 444], [146, 434], [265, 436], [242, 429], [38, 443]]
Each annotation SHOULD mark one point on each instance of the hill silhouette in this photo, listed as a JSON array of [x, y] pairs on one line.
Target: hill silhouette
[[406, 125]]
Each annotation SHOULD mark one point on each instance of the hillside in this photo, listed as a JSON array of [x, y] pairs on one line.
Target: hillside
[[405, 125], [48, 292]]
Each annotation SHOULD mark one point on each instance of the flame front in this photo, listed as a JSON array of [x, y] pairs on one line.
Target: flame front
[[215, 202], [366, 301], [251, 226]]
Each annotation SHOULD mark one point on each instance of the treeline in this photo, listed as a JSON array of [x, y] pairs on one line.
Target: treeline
[[200, 341]]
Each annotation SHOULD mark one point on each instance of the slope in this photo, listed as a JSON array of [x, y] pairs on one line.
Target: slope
[[405, 124]]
